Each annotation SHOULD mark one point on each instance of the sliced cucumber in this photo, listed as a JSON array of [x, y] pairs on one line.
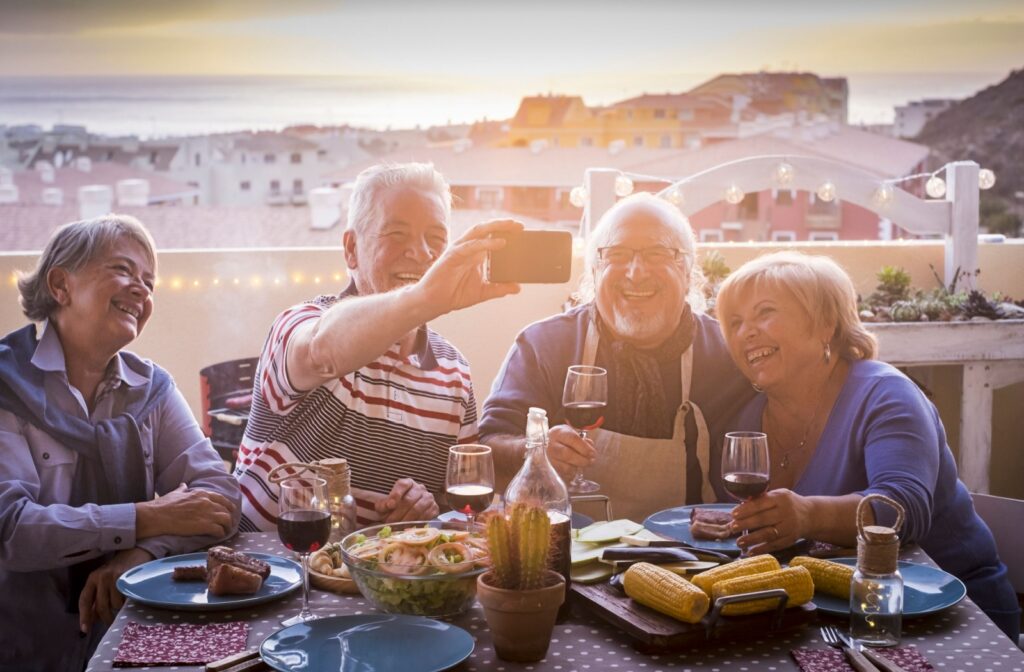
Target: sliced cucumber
[[610, 531], [592, 573]]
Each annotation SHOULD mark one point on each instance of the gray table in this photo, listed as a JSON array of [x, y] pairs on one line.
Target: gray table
[[959, 638]]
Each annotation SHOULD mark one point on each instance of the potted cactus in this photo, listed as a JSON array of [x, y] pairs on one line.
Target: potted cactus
[[520, 595]]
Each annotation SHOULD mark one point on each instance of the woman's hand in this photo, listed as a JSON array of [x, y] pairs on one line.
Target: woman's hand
[[100, 598], [185, 513], [568, 451], [773, 521]]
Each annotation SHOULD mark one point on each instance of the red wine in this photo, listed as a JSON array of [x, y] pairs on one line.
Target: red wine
[[304, 531], [470, 499], [745, 485], [585, 414]]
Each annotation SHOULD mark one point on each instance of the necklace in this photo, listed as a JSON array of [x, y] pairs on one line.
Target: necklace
[[798, 450]]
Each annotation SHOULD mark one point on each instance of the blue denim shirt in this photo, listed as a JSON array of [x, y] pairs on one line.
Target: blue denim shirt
[[40, 534]]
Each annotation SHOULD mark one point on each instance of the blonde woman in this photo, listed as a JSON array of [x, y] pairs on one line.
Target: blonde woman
[[842, 424]]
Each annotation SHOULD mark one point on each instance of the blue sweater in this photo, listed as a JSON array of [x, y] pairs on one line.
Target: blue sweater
[[884, 436]]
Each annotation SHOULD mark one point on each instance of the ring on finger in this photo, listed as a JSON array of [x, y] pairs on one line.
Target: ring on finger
[[776, 531]]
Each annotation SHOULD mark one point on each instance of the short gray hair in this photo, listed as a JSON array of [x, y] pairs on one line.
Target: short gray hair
[[364, 205], [72, 247], [674, 223]]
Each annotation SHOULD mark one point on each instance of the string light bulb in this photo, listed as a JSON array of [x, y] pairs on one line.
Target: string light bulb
[[734, 194], [827, 191], [884, 195], [675, 196], [936, 186], [986, 178], [783, 174], [578, 196], [623, 186]]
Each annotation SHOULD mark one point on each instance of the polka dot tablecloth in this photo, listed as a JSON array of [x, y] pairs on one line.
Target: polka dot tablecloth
[[959, 638]]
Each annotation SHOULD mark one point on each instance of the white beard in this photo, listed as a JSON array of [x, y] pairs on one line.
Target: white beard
[[636, 328]]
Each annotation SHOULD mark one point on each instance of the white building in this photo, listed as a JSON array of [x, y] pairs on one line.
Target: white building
[[912, 117]]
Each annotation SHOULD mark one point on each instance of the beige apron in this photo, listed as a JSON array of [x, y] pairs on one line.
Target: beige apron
[[641, 476]]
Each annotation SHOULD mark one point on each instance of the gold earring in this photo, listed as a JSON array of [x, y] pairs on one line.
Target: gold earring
[[828, 353]]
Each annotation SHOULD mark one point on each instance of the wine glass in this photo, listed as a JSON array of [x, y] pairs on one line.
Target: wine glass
[[470, 480], [745, 464], [304, 525], [583, 401]]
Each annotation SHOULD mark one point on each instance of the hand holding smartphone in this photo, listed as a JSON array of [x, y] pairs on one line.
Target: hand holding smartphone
[[531, 256]]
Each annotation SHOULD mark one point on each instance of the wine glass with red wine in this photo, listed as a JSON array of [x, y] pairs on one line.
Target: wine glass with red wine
[[745, 464], [470, 481], [304, 525], [583, 400]]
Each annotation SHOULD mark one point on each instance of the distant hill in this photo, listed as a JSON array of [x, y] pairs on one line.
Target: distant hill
[[988, 128]]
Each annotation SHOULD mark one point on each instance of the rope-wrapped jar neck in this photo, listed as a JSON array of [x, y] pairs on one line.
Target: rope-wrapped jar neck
[[878, 546]]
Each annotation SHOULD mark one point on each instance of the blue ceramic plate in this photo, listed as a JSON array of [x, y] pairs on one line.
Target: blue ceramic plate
[[366, 643], [926, 590], [675, 524], [152, 584]]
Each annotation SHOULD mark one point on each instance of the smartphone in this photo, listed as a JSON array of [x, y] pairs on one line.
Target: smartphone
[[531, 256]]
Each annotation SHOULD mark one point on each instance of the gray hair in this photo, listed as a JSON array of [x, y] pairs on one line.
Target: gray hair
[[364, 208], [673, 221], [72, 247]]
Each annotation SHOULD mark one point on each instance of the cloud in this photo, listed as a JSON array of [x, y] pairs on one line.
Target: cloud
[[79, 16]]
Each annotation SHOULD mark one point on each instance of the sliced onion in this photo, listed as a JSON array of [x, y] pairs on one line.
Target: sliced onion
[[416, 555], [438, 557], [417, 536]]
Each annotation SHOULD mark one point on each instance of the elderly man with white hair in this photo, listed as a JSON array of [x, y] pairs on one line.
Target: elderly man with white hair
[[671, 383], [358, 375]]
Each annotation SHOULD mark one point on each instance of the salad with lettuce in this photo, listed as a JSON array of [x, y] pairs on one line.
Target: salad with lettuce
[[420, 570]]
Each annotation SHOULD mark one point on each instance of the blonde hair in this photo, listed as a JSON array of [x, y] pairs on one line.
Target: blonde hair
[[673, 221], [821, 287]]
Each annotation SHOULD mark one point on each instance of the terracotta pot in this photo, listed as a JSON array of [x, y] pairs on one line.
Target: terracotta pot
[[521, 621]]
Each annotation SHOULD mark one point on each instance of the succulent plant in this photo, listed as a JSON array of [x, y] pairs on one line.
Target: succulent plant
[[893, 286], [519, 542], [977, 305], [905, 311]]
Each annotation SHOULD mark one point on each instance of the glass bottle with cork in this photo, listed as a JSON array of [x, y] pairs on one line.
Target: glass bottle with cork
[[876, 590], [539, 484], [339, 493]]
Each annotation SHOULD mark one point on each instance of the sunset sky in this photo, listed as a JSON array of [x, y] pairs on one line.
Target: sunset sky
[[406, 62], [526, 43]]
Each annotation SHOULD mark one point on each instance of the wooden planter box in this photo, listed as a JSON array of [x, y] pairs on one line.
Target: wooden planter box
[[992, 356]]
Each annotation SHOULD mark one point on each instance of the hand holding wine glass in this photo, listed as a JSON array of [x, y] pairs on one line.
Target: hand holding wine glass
[[745, 466], [470, 481], [583, 400], [304, 525]]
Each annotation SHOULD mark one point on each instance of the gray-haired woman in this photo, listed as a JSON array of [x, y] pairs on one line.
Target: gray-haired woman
[[89, 433]]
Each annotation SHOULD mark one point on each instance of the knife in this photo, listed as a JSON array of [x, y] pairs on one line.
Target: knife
[[881, 662], [701, 553], [858, 660]]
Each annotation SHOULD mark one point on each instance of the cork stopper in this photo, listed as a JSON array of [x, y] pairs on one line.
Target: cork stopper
[[336, 472], [878, 546]]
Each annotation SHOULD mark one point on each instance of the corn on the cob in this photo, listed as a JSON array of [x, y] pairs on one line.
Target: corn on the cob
[[796, 581], [744, 567], [829, 577], [666, 592]]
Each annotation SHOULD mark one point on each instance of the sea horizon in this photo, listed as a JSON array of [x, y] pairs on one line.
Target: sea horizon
[[164, 106]]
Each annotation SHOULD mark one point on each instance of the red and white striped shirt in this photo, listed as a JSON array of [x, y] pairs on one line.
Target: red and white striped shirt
[[394, 418]]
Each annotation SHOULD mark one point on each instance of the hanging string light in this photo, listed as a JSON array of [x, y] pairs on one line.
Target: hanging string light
[[884, 195], [986, 179], [827, 191], [782, 174], [578, 196], [623, 186], [935, 187], [675, 196], [734, 194]]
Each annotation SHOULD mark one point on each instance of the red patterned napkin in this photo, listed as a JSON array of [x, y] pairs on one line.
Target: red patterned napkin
[[834, 660], [179, 644]]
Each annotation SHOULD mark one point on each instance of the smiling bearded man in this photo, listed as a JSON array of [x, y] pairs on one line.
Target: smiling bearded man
[[671, 384], [358, 375]]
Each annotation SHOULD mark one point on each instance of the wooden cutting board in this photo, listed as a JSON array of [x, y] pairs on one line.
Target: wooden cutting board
[[654, 632]]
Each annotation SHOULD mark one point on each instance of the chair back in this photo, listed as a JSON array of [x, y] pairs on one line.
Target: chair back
[[1004, 517]]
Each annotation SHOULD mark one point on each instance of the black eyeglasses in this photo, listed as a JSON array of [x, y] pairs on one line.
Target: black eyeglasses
[[655, 255]]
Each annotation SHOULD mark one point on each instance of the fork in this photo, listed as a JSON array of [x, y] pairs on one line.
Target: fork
[[833, 637]]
